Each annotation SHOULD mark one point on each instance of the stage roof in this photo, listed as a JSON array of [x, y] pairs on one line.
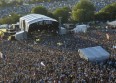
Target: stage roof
[[32, 18], [29, 19], [93, 54]]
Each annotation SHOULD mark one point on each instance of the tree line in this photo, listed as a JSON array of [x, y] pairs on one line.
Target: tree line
[[83, 11], [4, 3]]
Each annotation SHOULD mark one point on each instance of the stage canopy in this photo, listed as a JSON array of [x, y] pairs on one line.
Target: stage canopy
[[113, 23], [80, 28], [21, 35], [94, 54], [37, 21]]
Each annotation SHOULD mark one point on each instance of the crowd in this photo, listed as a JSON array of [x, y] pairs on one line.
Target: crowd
[[44, 61], [26, 8]]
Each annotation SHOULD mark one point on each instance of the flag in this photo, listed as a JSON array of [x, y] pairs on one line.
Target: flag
[[107, 36], [42, 64], [2, 56], [37, 40], [59, 43]]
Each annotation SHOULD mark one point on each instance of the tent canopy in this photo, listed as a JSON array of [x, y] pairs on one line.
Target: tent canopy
[[94, 54], [31, 18], [80, 28], [62, 30], [113, 23], [21, 35], [27, 20]]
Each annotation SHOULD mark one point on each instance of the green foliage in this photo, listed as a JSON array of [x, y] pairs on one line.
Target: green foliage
[[109, 8], [102, 16], [109, 11], [63, 13], [1, 33], [77, 15], [40, 10], [49, 14], [83, 11], [84, 4], [3, 3], [12, 18]]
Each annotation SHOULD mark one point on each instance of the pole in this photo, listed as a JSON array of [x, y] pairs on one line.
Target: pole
[[60, 25], [60, 22]]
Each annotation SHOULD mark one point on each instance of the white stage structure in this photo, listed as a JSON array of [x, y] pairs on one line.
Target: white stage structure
[[113, 23], [27, 20], [94, 54], [80, 28], [21, 35], [62, 31]]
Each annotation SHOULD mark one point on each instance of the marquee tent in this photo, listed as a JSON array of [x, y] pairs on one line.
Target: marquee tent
[[36, 21], [80, 28], [94, 54], [21, 35], [4, 26], [62, 31], [113, 23]]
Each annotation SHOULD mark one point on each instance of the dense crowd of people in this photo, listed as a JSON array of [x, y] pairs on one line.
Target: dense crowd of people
[[26, 8], [44, 61]]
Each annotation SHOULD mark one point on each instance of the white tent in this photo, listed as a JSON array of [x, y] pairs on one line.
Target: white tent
[[21, 35], [94, 54], [4, 26], [1, 55], [27, 20], [80, 28], [62, 31], [113, 23]]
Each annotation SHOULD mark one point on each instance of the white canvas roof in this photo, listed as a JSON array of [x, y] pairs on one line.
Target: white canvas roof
[[80, 28], [19, 32], [4, 26], [31, 18], [94, 53], [113, 23]]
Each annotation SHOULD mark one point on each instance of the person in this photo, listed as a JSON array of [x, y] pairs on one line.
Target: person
[[3, 57]]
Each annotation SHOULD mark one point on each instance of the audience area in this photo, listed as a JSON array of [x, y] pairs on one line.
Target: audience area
[[46, 61]]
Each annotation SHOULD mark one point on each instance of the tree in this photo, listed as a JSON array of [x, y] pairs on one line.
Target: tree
[[63, 13], [50, 14], [102, 16], [110, 10], [83, 11], [12, 18], [40, 10], [3, 3]]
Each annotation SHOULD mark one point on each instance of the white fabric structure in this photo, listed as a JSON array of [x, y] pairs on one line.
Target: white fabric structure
[[27, 20], [80, 28], [114, 47], [4, 26], [21, 35], [1, 55], [113, 23], [42, 64], [94, 54], [62, 31]]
